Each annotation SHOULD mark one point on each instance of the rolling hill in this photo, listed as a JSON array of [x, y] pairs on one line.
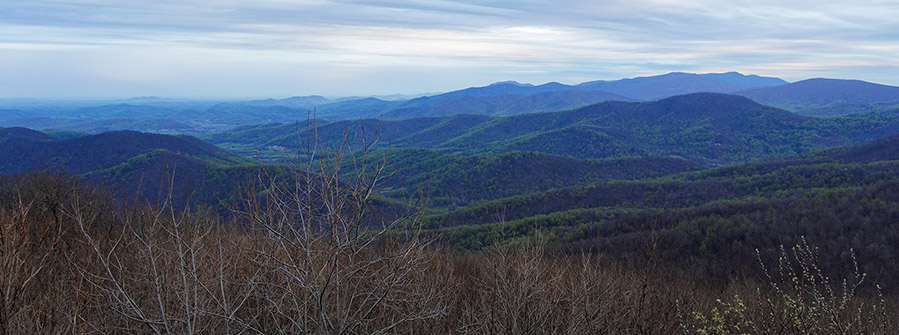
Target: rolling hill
[[512, 98], [452, 180], [818, 186], [154, 168], [826, 96], [26, 149], [708, 128], [130, 162]]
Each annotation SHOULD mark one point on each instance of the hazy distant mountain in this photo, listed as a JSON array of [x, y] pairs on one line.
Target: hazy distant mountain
[[9, 114], [118, 111], [505, 98], [103, 125], [507, 104], [511, 98], [502, 98], [826, 96], [643, 88], [677, 83], [499, 88], [738, 80], [355, 109], [292, 102], [146, 99]]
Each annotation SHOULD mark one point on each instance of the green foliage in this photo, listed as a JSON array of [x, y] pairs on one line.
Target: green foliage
[[801, 298], [729, 318], [714, 219], [453, 180]]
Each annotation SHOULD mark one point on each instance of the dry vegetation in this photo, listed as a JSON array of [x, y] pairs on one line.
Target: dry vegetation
[[304, 259]]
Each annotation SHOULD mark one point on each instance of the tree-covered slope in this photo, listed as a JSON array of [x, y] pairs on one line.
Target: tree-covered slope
[[178, 170], [142, 165], [709, 128], [452, 180], [568, 210], [23, 150]]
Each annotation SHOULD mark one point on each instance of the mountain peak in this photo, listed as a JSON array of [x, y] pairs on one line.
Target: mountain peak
[[511, 82]]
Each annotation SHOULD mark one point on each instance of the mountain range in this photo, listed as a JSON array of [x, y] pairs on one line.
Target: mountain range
[[816, 97], [708, 128]]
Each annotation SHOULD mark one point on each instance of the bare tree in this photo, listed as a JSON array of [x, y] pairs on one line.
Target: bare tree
[[164, 271], [328, 269]]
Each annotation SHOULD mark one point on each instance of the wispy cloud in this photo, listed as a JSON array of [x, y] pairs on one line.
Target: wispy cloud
[[281, 47]]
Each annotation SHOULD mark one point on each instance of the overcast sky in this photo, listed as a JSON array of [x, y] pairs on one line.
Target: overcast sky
[[280, 48]]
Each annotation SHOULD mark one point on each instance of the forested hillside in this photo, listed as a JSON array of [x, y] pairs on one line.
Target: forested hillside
[[451, 180], [139, 166], [839, 198], [711, 129]]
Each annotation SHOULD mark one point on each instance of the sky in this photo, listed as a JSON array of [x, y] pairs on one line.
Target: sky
[[281, 48]]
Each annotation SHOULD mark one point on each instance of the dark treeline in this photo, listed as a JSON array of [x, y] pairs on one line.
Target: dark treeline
[[304, 261], [723, 240]]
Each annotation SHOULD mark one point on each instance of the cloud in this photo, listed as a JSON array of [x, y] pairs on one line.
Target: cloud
[[341, 47]]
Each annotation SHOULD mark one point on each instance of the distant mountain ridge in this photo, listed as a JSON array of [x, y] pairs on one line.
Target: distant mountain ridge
[[738, 80], [634, 89], [678, 83], [507, 104], [501, 98], [815, 97], [825, 96]]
